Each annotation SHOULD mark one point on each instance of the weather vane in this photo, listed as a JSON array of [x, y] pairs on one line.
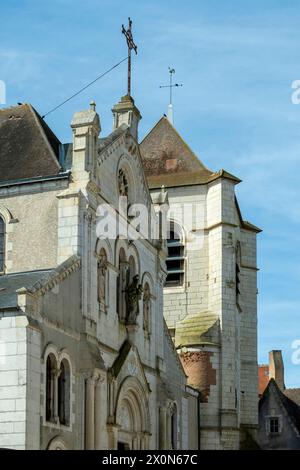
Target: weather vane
[[171, 86], [131, 46]]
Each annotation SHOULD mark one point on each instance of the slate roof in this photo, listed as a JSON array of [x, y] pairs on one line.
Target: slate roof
[[292, 409], [10, 283], [28, 147], [293, 394]]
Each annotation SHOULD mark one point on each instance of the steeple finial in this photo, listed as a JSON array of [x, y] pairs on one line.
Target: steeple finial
[[171, 86]]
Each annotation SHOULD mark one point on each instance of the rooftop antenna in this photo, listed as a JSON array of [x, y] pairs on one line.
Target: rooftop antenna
[[131, 46], [171, 86]]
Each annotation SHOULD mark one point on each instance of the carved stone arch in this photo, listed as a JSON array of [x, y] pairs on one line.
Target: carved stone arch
[[64, 355], [148, 278], [132, 251], [57, 444], [6, 214], [50, 348], [132, 394], [125, 166], [120, 243], [106, 245], [178, 224]]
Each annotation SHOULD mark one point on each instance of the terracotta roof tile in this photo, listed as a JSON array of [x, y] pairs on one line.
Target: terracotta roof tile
[[164, 152], [263, 378]]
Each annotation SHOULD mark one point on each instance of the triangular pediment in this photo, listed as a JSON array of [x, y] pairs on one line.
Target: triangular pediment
[[128, 364]]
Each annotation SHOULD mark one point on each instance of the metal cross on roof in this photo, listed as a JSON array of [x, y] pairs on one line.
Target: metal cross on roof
[[131, 46], [171, 85]]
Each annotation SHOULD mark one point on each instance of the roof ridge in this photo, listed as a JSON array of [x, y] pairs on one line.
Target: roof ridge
[[165, 119], [38, 119]]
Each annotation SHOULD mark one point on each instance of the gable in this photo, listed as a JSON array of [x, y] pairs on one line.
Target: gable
[[118, 149], [166, 156], [291, 409], [128, 364], [28, 147]]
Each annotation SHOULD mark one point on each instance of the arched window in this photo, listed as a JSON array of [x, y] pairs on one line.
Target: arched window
[[123, 183], [2, 244], [132, 269], [51, 371], [64, 388], [121, 285], [102, 274], [147, 308], [175, 259]]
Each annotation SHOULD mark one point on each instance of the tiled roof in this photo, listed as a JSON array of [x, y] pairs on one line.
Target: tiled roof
[[165, 153], [10, 283], [28, 147], [293, 394], [263, 378]]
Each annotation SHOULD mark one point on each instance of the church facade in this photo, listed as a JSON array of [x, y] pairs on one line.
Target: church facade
[[210, 295], [86, 358]]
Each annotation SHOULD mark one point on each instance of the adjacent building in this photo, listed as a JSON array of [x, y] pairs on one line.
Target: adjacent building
[[279, 407], [210, 295]]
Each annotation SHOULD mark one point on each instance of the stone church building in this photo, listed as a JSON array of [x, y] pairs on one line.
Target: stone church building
[[86, 359], [210, 303], [121, 342]]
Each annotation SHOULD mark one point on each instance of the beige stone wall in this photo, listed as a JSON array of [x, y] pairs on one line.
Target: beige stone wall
[[210, 287], [32, 233]]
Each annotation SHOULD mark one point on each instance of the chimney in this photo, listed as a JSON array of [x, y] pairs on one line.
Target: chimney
[[276, 368], [86, 128], [125, 112]]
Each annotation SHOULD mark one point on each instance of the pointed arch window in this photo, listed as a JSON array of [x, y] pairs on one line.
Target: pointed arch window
[[2, 244]]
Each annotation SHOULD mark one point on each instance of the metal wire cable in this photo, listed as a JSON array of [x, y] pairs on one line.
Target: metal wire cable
[[85, 87]]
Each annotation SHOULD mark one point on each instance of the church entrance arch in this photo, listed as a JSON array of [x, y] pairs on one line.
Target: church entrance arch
[[132, 415]]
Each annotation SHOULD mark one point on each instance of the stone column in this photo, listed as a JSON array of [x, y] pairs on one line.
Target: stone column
[[90, 413], [162, 428], [168, 433], [55, 373], [100, 410]]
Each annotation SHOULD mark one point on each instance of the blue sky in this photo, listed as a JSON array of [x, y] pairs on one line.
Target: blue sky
[[237, 61]]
